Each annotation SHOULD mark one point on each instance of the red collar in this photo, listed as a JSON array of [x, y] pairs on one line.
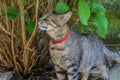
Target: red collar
[[62, 39]]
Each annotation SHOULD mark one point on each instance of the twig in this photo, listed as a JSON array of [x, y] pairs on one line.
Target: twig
[[5, 30], [48, 6], [6, 61], [25, 53], [35, 29], [28, 7], [33, 35], [13, 51], [22, 22]]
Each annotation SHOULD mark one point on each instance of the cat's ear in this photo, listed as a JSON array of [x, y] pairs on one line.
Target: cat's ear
[[64, 17]]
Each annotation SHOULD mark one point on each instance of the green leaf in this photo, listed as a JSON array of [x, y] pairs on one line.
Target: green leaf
[[62, 7], [30, 25], [92, 3], [101, 23], [83, 12], [99, 8], [11, 12]]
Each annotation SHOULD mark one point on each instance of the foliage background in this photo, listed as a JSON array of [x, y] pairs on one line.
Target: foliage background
[[26, 53]]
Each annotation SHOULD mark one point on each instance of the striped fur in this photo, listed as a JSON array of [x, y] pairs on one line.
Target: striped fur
[[78, 53]]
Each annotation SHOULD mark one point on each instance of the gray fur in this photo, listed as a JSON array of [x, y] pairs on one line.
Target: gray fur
[[78, 53]]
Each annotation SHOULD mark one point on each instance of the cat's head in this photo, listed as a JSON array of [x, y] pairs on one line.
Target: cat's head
[[53, 21]]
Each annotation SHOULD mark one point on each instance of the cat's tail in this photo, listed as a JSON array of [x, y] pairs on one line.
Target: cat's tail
[[112, 55]]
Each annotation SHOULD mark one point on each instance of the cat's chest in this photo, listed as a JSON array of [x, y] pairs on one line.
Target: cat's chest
[[58, 53]]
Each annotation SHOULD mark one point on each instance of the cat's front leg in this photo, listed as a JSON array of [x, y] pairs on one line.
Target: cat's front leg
[[60, 73], [85, 75], [72, 72]]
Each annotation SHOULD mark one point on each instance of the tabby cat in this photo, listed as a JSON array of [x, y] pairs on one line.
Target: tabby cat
[[72, 52]]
